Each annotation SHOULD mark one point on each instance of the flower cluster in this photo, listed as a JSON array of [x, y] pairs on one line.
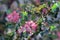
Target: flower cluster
[[13, 17], [29, 27]]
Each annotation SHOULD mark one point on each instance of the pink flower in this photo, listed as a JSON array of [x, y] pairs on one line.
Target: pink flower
[[33, 26], [28, 29], [13, 17], [29, 26], [44, 11], [58, 34]]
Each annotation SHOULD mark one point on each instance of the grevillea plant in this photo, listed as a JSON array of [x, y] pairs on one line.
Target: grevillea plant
[[13, 17]]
